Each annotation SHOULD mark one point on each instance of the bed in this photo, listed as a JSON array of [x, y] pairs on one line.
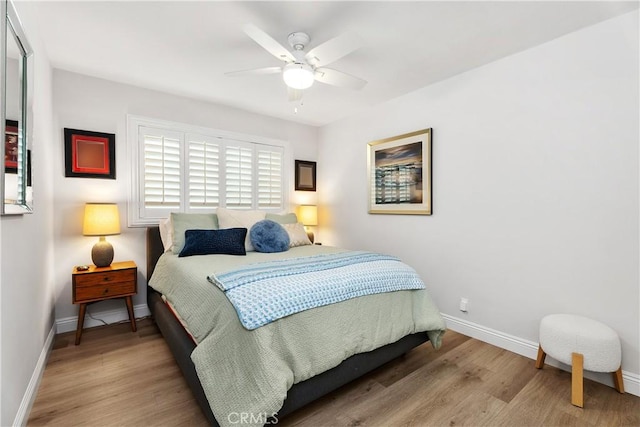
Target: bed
[[300, 393]]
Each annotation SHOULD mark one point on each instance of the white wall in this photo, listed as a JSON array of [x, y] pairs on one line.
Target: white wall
[[535, 183], [535, 191], [27, 256], [88, 103]]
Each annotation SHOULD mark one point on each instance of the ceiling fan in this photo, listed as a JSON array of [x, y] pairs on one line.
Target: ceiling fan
[[302, 68]]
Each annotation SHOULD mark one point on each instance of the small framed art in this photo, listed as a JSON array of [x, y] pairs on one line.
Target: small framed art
[[305, 175], [399, 170], [89, 154], [11, 147]]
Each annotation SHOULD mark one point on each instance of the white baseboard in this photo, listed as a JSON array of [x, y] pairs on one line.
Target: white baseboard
[[68, 324], [529, 349], [22, 416]]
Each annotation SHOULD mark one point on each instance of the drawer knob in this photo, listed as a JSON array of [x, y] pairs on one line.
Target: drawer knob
[[107, 279], [106, 291]]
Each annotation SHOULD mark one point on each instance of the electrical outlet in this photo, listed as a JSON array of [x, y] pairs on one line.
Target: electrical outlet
[[464, 305]]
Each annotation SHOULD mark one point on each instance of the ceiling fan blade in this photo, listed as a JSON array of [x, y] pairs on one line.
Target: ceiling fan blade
[[294, 94], [333, 49], [268, 43], [338, 78], [254, 72]]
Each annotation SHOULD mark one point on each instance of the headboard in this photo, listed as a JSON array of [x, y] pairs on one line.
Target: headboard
[[154, 248]]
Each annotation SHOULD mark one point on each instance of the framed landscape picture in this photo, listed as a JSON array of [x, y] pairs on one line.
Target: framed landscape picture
[[399, 170]]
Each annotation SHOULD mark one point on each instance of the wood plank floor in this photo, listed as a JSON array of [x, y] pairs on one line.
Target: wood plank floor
[[119, 378]]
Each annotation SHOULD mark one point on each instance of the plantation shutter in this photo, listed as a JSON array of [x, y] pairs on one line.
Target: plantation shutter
[[204, 172], [270, 163], [239, 175], [183, 168], [161, 183]]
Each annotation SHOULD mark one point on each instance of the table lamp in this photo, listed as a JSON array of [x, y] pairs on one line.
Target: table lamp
[[101, 219], [308, 216]]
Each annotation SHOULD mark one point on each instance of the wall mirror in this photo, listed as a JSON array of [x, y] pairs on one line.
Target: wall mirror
[[16, 114]]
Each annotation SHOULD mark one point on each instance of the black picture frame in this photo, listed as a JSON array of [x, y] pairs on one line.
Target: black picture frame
[[305, 175], [89, 154]]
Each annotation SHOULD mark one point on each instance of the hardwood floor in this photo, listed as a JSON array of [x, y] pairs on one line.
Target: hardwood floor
[[119, 378]]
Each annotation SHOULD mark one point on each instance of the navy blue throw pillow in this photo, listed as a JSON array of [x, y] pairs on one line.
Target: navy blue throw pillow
[[269, 236], [228, 241]]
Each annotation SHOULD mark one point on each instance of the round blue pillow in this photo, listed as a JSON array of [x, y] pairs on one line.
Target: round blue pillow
[[269, 236]]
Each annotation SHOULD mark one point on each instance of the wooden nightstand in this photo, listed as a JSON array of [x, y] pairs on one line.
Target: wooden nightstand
[[119, 280]]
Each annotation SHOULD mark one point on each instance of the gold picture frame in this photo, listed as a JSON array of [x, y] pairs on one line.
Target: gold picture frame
[[400, 177]]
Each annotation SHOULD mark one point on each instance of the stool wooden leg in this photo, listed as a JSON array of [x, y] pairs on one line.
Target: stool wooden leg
[[577, 397], [540, 359], [617, 380]]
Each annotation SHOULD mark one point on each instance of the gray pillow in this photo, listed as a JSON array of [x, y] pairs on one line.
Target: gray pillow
[[181, 222], [289, 218]]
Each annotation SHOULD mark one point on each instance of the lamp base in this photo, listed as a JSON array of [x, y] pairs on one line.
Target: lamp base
[[310, 235], [102, 253]]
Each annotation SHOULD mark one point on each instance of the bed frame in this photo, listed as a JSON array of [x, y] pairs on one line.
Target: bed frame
[[301, 393]]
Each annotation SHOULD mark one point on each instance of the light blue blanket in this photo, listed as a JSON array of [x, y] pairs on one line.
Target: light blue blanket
[[267, 291]]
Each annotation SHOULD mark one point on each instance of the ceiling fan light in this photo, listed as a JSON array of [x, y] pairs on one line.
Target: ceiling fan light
[[298, 75]]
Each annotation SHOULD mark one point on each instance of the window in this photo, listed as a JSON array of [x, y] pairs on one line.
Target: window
[[204, 172], [269, 179], [181, 168]]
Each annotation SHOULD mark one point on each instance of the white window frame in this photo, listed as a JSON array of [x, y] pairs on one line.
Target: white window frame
[[136, 216]]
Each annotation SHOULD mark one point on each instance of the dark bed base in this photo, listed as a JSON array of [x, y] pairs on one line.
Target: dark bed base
[[300, 394]]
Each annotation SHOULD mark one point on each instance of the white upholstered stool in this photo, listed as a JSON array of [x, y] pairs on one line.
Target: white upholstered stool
[[582, 343]]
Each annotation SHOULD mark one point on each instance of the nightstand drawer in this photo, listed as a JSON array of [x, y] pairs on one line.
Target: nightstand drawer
[[102, 291], [105, 278]]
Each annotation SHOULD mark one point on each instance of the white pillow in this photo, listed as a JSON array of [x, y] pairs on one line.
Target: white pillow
[[297, 234], [165, 234], [228, 218]]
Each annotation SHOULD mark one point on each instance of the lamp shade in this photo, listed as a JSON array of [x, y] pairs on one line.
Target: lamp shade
[[101, 219], [308, 214], [297, 75]]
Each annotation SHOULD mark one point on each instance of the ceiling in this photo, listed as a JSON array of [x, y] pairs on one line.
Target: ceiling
[[185, 48]]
